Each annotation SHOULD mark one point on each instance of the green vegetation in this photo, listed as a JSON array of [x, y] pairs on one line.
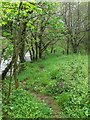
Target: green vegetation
[[44, 63], [25, 105], [65, 78]]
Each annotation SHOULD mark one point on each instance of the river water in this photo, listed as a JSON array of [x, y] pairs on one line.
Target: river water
[[4, 63]]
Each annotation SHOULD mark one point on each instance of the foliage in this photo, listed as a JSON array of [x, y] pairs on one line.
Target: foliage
[[64, 78], [47, 30], [74, 98], [25, 105]]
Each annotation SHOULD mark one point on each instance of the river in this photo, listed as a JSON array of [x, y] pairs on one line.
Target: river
[[4, 63]]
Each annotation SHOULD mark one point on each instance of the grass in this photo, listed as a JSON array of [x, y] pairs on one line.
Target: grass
[[25, 105], [65, 78]]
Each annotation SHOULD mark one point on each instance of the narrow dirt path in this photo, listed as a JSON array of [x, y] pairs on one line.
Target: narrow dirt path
[[49, 101]]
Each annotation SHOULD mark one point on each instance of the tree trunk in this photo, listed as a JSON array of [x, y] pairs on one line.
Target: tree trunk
[[75, 48], [33, 52], [21, 53], [22, 42], [4, 73], [36, 45], [30, 55], [9, 91], [40, 50], [68, 46], [16, 53], [89, 32]]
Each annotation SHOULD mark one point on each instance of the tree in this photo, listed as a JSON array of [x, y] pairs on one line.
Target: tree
[[15, 17], [47, 29], [76, 24]]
